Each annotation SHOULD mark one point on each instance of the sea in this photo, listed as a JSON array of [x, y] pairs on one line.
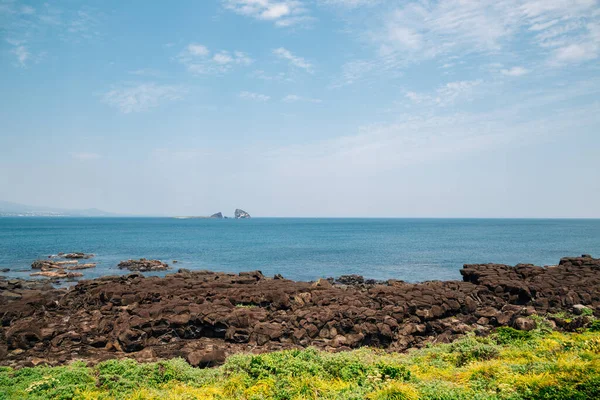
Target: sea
[[305, 249]]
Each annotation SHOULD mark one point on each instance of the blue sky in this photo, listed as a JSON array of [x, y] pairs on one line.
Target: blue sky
[[420, 108]]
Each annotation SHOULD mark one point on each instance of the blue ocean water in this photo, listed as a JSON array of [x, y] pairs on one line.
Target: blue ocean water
[[300, 249]]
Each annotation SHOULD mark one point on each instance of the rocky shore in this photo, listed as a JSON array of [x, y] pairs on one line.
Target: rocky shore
[[205, 316]]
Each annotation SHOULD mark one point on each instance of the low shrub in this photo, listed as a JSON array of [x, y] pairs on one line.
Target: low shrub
[[507, 365]]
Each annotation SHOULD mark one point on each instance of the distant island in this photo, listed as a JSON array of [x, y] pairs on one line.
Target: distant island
[[8, 209], [238, 214]]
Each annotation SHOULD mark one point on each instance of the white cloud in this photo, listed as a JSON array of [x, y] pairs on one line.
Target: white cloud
[[85, 156], [420, 138], [29, 30], [354, 71], [82, 24], [515, 71], [22, 54], [411, 32], [281, 12], [197, 49], [295, 61], [254, 96], [293, 98], [575, 53], [446, 95], [277, 77], [142, 97], [197, 59], [222, 58]]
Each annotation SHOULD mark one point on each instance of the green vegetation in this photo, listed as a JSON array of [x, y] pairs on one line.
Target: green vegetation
[[509, 364]]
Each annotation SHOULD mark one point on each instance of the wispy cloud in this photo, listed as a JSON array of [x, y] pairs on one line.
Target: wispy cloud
[[446, 95], [294, 61], [282, 12], [142, 97], [419, 138], [562, 31], [293, 98], [198, 59], [22, 53], [515, 71], [265, 76], [28, 29], [254, 96]]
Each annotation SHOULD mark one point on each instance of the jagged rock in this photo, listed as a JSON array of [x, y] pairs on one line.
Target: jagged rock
[[44, 265], [218, 215], [351, 280], [241, 214], [77, 255], [143, 265], [199, 311]]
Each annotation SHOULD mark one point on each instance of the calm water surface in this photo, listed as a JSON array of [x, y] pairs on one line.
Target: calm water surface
[[300, 249]]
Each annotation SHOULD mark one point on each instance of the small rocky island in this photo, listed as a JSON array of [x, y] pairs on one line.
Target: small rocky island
[[241, 214], [238, 214]]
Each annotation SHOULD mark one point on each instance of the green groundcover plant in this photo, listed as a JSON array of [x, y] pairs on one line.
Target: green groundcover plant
[[508, 364]]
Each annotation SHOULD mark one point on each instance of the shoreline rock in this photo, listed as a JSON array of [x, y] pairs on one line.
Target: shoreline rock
[[204, 316], [77, 256], [143, 265]]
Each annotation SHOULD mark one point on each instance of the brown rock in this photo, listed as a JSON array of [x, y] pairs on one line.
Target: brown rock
[[206, 358], [524, 324]]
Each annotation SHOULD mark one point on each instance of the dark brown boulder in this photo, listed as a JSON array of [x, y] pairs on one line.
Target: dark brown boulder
[[206, 358], [143, 265], [199, 311], [524, 324]]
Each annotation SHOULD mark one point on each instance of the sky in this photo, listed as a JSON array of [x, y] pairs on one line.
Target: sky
[[302, 108]]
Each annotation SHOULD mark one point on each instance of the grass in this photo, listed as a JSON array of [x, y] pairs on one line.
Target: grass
[[508, 364]]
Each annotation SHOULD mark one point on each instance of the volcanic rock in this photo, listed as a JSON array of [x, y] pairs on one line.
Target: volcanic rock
[[351, 280], [205, 315], [143, 265], [77, 255]]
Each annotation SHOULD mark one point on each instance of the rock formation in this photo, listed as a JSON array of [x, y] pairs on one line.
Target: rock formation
[[218, 215], [241, 214], [143, 265], [204, 316], [75, 256]]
